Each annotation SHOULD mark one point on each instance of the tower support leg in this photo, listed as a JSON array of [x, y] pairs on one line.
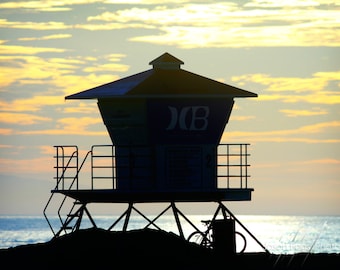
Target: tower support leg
[[226, 210], [178, 222], [127, 217]]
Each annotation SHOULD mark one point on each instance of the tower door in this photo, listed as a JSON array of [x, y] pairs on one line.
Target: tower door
[[183, 167]]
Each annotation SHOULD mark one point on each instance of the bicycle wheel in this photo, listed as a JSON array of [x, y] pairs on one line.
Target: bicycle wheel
[[244, 240], [200, 239]]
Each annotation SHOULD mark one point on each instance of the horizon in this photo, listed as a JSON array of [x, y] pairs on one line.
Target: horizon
[[50, 50]]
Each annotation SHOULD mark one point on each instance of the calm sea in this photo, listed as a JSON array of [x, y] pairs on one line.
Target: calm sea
[[279, 234]]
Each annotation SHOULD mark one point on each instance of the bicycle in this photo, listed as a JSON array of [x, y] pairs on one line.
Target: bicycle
[[205, 238]]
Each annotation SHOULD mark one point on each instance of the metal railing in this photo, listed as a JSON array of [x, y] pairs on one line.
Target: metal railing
[[66, 164], [103, 164], [233, 163], [108, 162]]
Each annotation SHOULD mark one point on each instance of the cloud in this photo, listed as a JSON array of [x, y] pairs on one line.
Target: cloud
[[56, 36], [32, 104], [4, 23], [295, 113], [324, 97], [313, 90], [65, 74], [107, 67], [5, 146], [64, 5], [75, 83], [47, 5], [31, 69], [31, 165], [192, 25], [224, 24], [22, 119], [283, 84], [77, 125], [327, 161], [6, 131], [26, 50], [303, 134], [71, 126], [111, 26], [241, 118], [67, 5], [81, 107], [323, 167], [47, 150], [289, 3]]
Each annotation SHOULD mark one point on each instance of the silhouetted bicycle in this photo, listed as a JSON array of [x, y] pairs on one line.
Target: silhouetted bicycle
[[205, 238]]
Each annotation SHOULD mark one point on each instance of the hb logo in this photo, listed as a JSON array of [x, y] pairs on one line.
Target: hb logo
[[189, 118]]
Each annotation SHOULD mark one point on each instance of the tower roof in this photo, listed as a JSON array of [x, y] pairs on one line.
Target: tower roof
[[166, 61], [166, 78]]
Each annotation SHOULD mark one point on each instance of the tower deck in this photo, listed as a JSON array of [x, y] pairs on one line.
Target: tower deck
[[115, 196]]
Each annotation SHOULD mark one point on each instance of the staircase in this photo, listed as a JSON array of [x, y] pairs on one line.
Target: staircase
[[67, 172]]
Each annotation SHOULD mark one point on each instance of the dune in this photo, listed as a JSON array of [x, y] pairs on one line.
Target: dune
[[149, 249]]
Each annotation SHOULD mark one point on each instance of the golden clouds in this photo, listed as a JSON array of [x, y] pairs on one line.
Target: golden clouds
[[45, 5], [21, 118], [56, 36], [4, 23], [278, 84], [15, 49], [80, 107], [295, 113], [71, 126], [222, 24], [74, 125], [49, 80], [6, 131], [241, 118], [323, 97], [303, 134], [22, 65], [107, 67], [31, 165], [316, 89], [289, 3], [32, 104], [193, 25]]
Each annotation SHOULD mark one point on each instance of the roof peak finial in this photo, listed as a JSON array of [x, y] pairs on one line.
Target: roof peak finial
[[166, 61]]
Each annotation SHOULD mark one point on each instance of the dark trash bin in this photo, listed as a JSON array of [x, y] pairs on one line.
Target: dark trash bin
[[223, 235]]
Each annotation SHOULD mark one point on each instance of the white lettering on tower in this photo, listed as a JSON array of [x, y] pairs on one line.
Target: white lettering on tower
[[197, 121]]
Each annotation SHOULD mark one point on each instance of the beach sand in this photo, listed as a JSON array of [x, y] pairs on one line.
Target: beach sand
[[149, 249]]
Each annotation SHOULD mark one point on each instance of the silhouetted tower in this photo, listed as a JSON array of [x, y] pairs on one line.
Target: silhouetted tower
[[166, 125]]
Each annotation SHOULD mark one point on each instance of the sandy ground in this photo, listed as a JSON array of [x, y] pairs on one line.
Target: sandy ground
[[147, 249]]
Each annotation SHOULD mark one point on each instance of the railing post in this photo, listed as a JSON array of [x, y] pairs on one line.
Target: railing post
[[228, 163], [241, 167], [112, 164], [57, 167], [246, 158], [63, 167], [92, 150], [77, 165]]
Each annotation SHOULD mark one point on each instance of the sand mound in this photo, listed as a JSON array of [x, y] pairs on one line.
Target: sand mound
[[149, 249]]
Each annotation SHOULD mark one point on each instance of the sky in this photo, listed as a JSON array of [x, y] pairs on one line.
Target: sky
[[288, 52]]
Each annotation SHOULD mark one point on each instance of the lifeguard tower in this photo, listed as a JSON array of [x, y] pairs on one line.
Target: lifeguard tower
[[165, 125]]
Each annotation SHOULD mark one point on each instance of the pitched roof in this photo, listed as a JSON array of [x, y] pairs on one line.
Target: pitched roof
[[165, 79]]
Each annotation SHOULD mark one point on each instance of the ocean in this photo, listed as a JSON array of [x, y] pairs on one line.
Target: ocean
[[278, 234]]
